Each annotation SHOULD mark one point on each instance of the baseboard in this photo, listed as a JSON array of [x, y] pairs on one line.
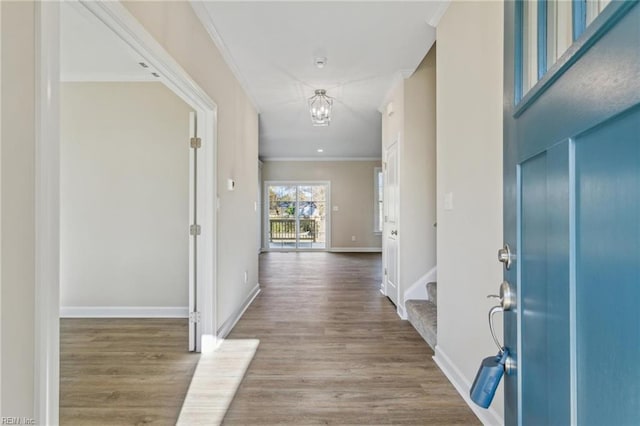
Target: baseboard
[[402, 312], [418, 290], [231, 322], [487, 416], [355, 250], [124, 312]]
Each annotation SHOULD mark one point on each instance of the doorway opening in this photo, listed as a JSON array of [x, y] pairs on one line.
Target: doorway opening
[[128, 247], [115, 19], [297, 215]]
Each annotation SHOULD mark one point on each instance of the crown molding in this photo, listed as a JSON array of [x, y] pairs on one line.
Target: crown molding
[[100, 77], [201, 11], [442, 9], [399, 76]]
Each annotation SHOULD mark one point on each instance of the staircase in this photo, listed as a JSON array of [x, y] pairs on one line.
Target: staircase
[[422, 314]]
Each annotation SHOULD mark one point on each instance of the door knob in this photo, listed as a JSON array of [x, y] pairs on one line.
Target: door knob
[[504, 256], [394, 232], [507, 297]]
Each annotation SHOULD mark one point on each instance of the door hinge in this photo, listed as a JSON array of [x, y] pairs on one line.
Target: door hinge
[[194, 230], [385, 271], [194, 317], [196, 143]]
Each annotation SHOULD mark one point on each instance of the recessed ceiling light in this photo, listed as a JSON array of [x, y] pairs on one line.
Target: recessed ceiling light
[[320, 61], [320, 150]]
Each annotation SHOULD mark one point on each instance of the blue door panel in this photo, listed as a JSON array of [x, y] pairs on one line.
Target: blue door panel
[[544, 290], [608, 272]]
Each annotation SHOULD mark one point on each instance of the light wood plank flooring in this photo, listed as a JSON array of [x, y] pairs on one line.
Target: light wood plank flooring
[[123, 371], [333, 351]]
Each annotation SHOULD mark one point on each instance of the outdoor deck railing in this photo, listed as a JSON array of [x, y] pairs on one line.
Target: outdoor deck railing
[[285, 229]]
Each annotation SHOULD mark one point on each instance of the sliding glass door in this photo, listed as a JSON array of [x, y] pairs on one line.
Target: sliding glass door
[[297, 216]]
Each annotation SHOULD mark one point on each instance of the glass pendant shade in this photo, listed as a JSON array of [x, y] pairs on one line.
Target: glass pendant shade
[[320, 108]]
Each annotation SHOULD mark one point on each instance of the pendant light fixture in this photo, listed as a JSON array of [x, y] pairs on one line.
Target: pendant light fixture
[[320, 108]]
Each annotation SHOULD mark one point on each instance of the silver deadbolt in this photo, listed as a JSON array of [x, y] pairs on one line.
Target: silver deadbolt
[[504, 256]]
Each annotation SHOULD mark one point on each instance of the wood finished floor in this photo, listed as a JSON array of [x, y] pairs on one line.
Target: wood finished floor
[[333, 351], [123, 371]]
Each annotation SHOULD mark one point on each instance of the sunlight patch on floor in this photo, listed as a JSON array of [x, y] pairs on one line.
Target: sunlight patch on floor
[[216, 381]]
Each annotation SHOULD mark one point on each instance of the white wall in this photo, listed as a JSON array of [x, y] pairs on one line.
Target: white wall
[[414, 118], [469, 155], [18, 208], [352, 190], [418, 175], [124, 196]]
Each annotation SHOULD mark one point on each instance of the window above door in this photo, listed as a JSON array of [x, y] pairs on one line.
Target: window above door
[[551, 35]]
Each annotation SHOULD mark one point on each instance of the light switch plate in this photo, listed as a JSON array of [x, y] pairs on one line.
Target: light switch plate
[[448, 201]]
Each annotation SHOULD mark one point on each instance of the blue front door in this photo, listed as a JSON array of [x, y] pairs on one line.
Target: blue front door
[[572, 211]]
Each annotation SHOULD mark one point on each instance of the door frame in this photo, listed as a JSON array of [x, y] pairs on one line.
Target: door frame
[[265, 212], [385, 171], [47, 191]]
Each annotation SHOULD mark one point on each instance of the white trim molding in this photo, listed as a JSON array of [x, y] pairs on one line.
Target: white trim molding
[[442, 9], [399, 76], [487, 416], [201, 11], [106, 77], [355, 250], [402, 312], [231, 322], [418, 290], [124, 312], [0, 210], [47, 210]]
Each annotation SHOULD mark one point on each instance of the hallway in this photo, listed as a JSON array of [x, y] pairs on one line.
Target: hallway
[[333, 351]]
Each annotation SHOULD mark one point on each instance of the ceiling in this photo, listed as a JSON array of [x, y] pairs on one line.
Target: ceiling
[[271, 46], [90, 51]]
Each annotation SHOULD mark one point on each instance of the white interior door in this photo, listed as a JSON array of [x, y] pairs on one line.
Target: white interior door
[[391, 222]]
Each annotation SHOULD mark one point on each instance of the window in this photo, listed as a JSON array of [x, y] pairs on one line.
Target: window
[[546, 30], [297, 216], [378, 198]]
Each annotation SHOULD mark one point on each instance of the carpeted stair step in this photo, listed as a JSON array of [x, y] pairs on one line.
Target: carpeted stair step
[[432, 293], [423, 315]]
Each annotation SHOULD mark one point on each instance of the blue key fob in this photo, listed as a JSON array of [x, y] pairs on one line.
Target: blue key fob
[[487, 380]]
